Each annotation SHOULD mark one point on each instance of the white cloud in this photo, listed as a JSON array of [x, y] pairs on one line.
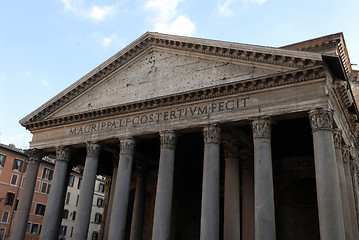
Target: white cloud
[[107, 41], [225, 6], [166, 18], [97, 13], [21, 140]]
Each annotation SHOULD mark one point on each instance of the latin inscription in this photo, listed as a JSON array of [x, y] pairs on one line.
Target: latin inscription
[[165, 116]]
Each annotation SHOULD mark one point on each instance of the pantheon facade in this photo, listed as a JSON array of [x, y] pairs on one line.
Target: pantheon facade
[[205, 139]]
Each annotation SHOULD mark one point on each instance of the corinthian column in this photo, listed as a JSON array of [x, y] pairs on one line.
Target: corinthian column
[[139, 204], [247, 197], [122, 189], [163, 204], [27, 193], [263, 181], [210, 186], [231, 191], [350, 192], [54, 205], [86, 191], [328, 193], [342, 184]]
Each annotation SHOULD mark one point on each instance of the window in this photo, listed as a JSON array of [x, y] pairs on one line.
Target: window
[[35, 228], [73, 215], [98, 218], [94, 235], [79, 184], [72, 231], [40, 209], [77, 200], [71, 180], [16, 204], [101, 187], [43, 187], [28, 227], [48, 188], [63, 230], [14, 179], [17, 166], [65, 214], [22, 181], [2, 160], [2, 233], [10, 197], [99, 202], [67, 201], [25, 167], [47, 174], [5, 217]]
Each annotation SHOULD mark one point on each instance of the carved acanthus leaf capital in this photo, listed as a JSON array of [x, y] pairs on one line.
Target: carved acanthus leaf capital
[[231, 149], [261, 128], [212, 134], [346, 154], [35, 155], [63, 153], [337, 138], [321, 119], [127, 145], [168, 139], [93, 150]]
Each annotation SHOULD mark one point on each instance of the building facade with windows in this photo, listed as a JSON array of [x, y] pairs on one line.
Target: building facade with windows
[[207, 139], [13, 172]]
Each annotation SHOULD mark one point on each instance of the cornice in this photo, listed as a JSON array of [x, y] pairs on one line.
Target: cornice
[[228, 89], [260, 54]]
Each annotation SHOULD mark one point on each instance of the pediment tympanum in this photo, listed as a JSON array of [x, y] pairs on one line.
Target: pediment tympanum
[[158, 74]]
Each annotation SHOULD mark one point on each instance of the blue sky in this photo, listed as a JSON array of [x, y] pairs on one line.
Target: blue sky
[[46, 45]]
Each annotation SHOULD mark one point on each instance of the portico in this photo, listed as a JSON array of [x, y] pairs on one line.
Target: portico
[[235, 140]]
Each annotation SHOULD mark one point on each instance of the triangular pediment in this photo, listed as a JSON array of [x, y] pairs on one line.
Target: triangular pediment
[[158, 65]]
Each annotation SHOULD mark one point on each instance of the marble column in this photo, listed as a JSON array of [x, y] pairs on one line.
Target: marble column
[[263, 180], [247, 196], [231, 191], [139, 204], [350, 192], [164, 190], [328, 194], [342, 184], [86, 192], [210, 186], [23, 211], [122, 189], [54, 206], [112, 193]]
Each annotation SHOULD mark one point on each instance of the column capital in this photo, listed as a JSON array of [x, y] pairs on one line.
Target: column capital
[[168, 139], [63, 153], [35, 155], [261, 128], [337, 138], [93, 149], [231, 149], [321, 119], [346, 154], [127, 145], [212, 134]]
